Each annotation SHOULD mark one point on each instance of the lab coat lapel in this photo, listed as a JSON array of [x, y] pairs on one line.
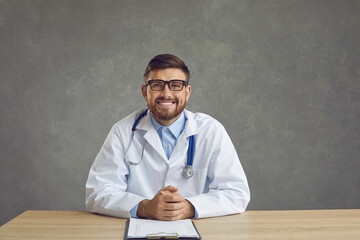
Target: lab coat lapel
[[182, 143], [151, 135]]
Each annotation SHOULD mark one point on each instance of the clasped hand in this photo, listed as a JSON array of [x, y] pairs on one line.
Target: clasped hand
[[166, 205]]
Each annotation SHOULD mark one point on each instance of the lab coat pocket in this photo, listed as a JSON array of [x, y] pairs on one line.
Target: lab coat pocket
[[197, 183]]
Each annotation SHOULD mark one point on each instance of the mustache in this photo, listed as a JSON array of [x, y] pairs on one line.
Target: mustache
[[166, 99]]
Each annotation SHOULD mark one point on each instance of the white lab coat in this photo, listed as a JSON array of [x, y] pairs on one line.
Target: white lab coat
[[218, 186]]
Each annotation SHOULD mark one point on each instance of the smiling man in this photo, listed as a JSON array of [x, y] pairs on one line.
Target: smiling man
[[165, 162]]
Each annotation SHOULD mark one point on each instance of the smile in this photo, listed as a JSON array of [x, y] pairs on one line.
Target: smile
[[165, 103]]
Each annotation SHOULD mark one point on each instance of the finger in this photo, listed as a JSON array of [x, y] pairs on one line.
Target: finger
[[174, 206], [171, 188], [172, 214], [172, 198], [164, 191], [167, 193], [173, 218]]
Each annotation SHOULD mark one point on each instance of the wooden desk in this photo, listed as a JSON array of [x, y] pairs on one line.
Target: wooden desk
[[312, 224]]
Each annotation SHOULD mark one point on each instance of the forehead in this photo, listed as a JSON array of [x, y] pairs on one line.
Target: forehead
[[167, 74]]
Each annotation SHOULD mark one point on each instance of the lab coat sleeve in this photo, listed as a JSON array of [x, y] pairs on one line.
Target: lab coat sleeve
[[228, 187], [107, 181]]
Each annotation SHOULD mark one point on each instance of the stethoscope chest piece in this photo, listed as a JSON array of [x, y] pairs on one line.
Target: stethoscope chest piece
[[188, 172]]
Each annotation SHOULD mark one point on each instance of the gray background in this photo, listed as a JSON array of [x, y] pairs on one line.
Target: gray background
[[282, 77]]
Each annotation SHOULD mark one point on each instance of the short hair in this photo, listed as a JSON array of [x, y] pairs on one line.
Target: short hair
[[164, 61]]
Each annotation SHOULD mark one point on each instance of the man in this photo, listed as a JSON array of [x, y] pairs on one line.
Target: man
[[147, 172]]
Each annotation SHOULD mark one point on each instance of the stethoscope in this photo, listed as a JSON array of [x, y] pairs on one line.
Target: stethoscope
[[187, 171]]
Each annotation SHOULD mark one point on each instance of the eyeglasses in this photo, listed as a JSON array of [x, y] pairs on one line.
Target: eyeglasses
[[159, 85]]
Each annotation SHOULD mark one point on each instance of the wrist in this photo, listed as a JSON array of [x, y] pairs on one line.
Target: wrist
[[141, 211], [191, 212]]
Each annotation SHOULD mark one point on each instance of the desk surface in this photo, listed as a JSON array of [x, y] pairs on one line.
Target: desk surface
[[309, 224]]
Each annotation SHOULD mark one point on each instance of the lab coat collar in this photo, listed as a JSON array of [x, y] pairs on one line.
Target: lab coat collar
[[191, 127], [145, 123]]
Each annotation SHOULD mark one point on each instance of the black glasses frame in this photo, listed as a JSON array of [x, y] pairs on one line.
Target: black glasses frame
[[184, 83]]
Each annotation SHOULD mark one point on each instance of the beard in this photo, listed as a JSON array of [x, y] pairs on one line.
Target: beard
[[166, 114]]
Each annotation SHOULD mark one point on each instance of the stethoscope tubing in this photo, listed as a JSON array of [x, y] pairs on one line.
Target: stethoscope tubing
[[190, 157]]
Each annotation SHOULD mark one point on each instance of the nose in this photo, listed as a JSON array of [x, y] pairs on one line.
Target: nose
[[166, 91]]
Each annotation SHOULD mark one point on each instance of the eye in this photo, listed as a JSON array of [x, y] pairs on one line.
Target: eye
[[157, 84], [176, 84]]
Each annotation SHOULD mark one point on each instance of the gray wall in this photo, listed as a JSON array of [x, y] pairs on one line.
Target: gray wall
[[282, 77]]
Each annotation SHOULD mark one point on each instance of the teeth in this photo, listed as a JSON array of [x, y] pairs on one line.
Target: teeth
[[165, 103]]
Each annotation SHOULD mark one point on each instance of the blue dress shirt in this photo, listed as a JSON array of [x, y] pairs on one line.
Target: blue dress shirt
[[169, 135]]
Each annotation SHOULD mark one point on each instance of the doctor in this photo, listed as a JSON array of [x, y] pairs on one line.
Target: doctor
[[167, 163]]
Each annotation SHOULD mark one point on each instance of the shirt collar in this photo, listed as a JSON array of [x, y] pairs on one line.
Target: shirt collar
[[175, 128]]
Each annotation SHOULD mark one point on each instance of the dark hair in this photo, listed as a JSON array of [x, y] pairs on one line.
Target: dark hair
[[163, 61]]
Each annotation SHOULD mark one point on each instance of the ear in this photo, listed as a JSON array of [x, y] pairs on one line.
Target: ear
[[187, 92], [144, 92]]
